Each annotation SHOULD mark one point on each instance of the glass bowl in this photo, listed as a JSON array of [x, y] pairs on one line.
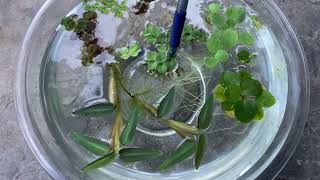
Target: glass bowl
[[47, 78]]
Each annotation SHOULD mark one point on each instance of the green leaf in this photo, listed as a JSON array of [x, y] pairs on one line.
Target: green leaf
[[183, 152], [211, 62], [167, 103], [214, 43], [93, 145], [251, 87], [138, 154], [214, 8], [134, 50], [181, 126], [96, 110], [256, 22], [124, 53], [217, 20], [69, 23], [218, 93], [245, 110], [244, 56], [259, 114], [161, 57], [200, 150], [205, 116], [233, 93], [236, 14], [103, 161], [229, 38], [130, 128], [162, 48], [152, 65], [246, 38], [227, 106], [172, 63], [151, 56], [221, 56], [244, 75], [266, 99], [162, 68], [228, 78]]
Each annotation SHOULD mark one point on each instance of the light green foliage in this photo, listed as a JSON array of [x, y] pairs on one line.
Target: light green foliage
[[106, 6], [229, 38], [245, 96], [158, 60], [256, 22], [235, 15], [219, 57], [131, 51], [69, 23], [246, 38], [191, 33]]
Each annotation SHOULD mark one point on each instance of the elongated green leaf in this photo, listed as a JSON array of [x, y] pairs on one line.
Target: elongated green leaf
[[183, 152], [176, 125], [93, 145], [103, 161], [138, 154], [129, 130], [167, 103], [205, 116], [200, 150], [96, 110]]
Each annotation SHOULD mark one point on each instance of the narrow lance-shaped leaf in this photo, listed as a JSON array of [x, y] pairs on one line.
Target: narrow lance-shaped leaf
[[138, 154], [205, 116], [145, 106], [103, 161], [200, 150], [183, 152], [182, 126], [93, 145], [96, 110], [130, 128], [116, 131], [167, 103]]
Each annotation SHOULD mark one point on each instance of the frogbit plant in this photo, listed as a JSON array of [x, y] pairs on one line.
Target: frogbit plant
[[241, 96]]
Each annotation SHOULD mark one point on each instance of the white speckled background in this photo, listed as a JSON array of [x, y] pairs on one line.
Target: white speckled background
[[17, 161]]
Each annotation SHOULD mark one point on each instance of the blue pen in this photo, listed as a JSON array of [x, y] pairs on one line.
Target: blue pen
[[177, 26]]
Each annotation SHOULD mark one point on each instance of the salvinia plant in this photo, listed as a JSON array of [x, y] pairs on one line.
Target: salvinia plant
[[241, 96]]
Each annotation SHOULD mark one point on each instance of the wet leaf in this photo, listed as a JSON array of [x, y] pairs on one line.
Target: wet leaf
[[233, 93], [138, 154], [244, 56], [93, 145], [129, 130], [256, 22], [229, 38], [162, 68], [251, 87], [214, 42], [183, 152], [246, 38], [200, 150], [214, 8], [228, 78], [218, 93], [103, 161], [236, 13], [266, 99], [96, 110], [167, 103], [245, 110], [146, 106], [260, 113], [205, 116]]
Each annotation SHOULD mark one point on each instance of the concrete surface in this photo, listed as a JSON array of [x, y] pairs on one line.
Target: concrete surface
[[17, 161]]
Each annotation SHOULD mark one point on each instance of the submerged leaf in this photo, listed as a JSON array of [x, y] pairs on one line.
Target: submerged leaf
[[138, 154], [129, 130], [167, 103], [96, 110], [183, 152], [205, 116], [93, 145], [116, 131], [200, 150], [103, 161]]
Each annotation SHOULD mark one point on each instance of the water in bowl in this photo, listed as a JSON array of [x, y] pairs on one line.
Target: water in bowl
[[67, 85]]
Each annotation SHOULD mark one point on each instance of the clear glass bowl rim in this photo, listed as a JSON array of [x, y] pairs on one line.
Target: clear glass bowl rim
[[265, 171]]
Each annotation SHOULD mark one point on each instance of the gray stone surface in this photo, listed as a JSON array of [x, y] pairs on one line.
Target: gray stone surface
[[17, 161]]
